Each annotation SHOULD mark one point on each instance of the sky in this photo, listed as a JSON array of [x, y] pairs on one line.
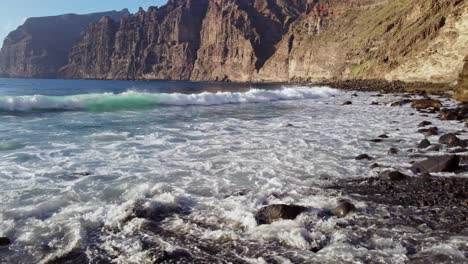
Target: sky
[[14, 12]]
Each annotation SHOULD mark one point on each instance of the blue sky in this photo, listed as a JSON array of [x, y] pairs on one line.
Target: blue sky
[[14, 12]]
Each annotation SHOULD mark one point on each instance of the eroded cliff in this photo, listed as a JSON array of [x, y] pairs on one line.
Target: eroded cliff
[[277, 41], [40, 47]]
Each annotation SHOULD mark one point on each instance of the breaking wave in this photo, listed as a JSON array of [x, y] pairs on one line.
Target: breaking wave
[[133, 100]]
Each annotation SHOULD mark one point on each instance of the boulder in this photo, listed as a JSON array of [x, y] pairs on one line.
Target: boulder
[[448, 163], [347, 103], [426, 103], [383, 136], [393, 151], [452, 141], [275, 212], [459, 113], [363, 157], [424, 143], [343, 208], [432, 131], [424, 123], [393, 175], [374, 165], [4, 241]]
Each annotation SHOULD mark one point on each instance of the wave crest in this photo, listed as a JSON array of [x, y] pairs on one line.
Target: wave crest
[[133, 100]]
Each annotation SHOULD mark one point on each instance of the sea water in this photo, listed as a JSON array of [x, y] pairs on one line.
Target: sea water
[[79, 158]]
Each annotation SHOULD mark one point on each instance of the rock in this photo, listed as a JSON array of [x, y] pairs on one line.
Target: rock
[[457, 150], [393, 175], [434, 148], [4, 241], [377, 140], [275, 212], [289, 125], [452, 141], [401, 103], [459, 113], [424, 123], [374, 165], [433, 131], [347, 103], [363, 157], [424, 143], [449, 163], [375, 103], [393, 151], [383, 136], [343, 208], [426, 103]]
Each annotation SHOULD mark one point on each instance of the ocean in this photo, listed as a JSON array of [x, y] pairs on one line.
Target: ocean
[[174, 172]]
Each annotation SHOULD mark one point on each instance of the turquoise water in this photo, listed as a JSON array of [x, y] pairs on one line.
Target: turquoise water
[[78, 158]]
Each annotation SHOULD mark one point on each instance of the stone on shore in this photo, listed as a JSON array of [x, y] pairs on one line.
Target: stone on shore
[[448, 163], [4, 241], [343, 209], [452, 141], [426, 103], [424, 123], [275, 212], [347, 103], [363, 157], [393, 175], [424, 144]]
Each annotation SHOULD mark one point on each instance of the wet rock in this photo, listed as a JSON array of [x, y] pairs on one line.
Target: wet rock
[[374, 165], [343, 208], [347, 103], [383, 136], [424, 144], [393, 151], [426, 103], [433, 131], [377, 140], [452, 141], [153, 211], [434, 148], [458, 113], [4, 241], [393, 175], [275, 212], [448, 163], [363, 157], [401, 102], [424, 123], [457, 150], [375, 103], [289, 125]]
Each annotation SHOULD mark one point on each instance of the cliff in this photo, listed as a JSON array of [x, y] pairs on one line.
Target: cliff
[[40, 47], [274, 41]]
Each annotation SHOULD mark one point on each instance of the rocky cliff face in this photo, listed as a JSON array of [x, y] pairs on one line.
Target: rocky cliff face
[[157, 44], [40, 47], [409, 40], [278, 41]]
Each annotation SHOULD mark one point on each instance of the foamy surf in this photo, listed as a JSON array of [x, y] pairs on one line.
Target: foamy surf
[[132, 100]]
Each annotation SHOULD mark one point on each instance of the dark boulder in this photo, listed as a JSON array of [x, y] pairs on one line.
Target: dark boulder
[[377, 140], [448, 163], [424, 144], [275, 212], [458, 113], [343, 208], [4, 241], [433, 131], [383, 136], [374, 165], [393, 151], [363, 157], [424, 123], [347, 103], [452, 141], [393, 175]]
